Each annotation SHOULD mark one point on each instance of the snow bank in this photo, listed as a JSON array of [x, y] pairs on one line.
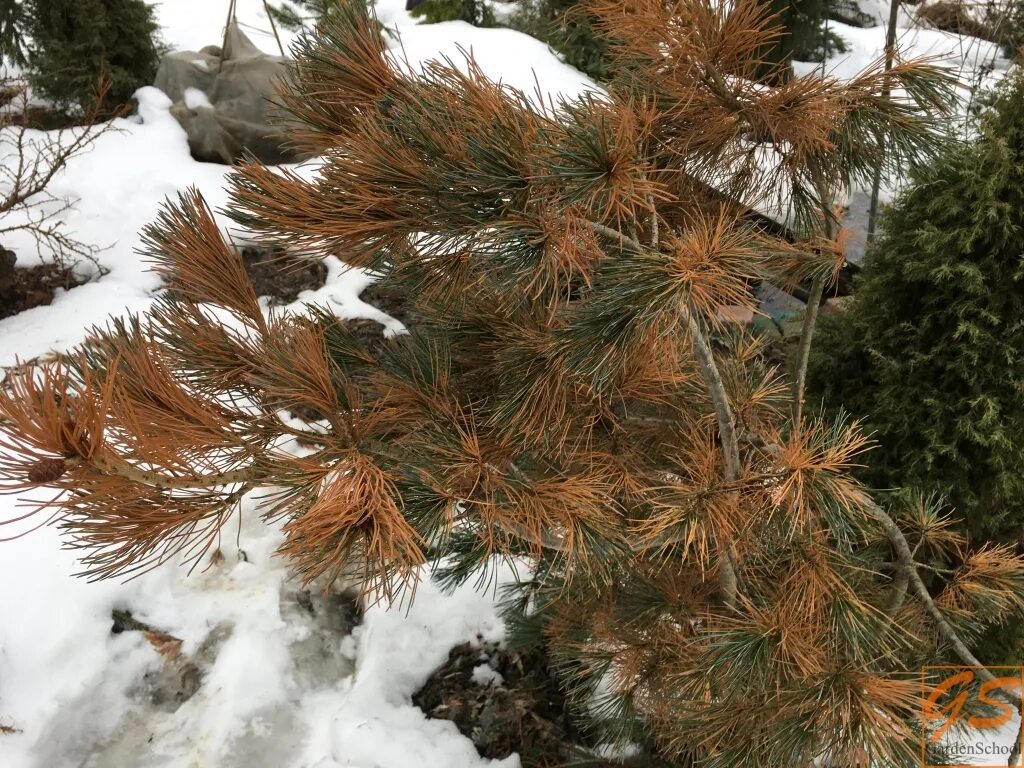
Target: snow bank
[[269, 699], [189, 25]]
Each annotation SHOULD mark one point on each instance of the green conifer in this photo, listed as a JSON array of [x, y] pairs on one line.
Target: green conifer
[[931, 351], [78, 43], [12, 25]]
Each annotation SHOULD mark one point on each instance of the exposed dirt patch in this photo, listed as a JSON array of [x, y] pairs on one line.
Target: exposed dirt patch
[[390, 300], [505, 701], [280, 275], [23, 288]]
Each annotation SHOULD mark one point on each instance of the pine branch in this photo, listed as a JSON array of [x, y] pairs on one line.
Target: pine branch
[[723, 412], [906, 558], [110, 464], [804, 350], [811, 312]]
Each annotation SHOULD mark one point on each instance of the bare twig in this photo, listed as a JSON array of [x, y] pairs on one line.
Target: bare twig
[[811, 312], [906, 557], [890, 53], [804, 351]]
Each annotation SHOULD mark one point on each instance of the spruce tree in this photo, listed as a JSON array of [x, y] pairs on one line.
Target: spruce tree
[[76, 44], [12, 29], [711, 578]]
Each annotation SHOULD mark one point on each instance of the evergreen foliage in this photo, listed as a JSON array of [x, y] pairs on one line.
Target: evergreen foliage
[[804, 38], [78, 43], [568, 29], [703, 563], [295, 14], [931, 350], [475, 12], [12, 27]]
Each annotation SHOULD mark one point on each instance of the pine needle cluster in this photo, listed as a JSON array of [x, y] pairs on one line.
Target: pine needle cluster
[[710, 576]]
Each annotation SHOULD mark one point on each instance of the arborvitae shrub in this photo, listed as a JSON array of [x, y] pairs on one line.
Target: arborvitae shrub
[[930, 353], [693, 548], [76, 43]]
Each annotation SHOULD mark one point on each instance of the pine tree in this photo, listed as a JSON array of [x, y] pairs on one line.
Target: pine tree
[[78, 43], [712, 579]]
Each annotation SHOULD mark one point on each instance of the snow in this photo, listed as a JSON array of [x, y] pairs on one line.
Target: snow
[[484, 674], [190, 25], [195, 99], [271, 697], [266, 700]]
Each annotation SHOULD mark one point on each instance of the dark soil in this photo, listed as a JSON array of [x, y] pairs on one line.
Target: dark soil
[[370, 333], [280, 275], [23, 288], [526, 712], [389, 300]]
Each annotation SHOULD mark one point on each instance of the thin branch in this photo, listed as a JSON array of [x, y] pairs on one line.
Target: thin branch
[[890, 52], [804, 352], [811, 312], [114, 465], [723, 413], [904, 555]]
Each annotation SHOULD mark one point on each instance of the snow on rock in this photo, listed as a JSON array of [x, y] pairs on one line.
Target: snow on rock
[[197, 99], [504, 55]]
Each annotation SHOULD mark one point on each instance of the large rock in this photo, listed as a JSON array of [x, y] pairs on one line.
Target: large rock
[[225, 100]]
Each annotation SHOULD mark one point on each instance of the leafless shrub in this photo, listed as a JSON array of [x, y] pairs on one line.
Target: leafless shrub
[[30, 160]]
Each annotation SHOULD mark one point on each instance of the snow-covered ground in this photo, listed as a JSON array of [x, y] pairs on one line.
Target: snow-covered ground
[[272, 697]]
